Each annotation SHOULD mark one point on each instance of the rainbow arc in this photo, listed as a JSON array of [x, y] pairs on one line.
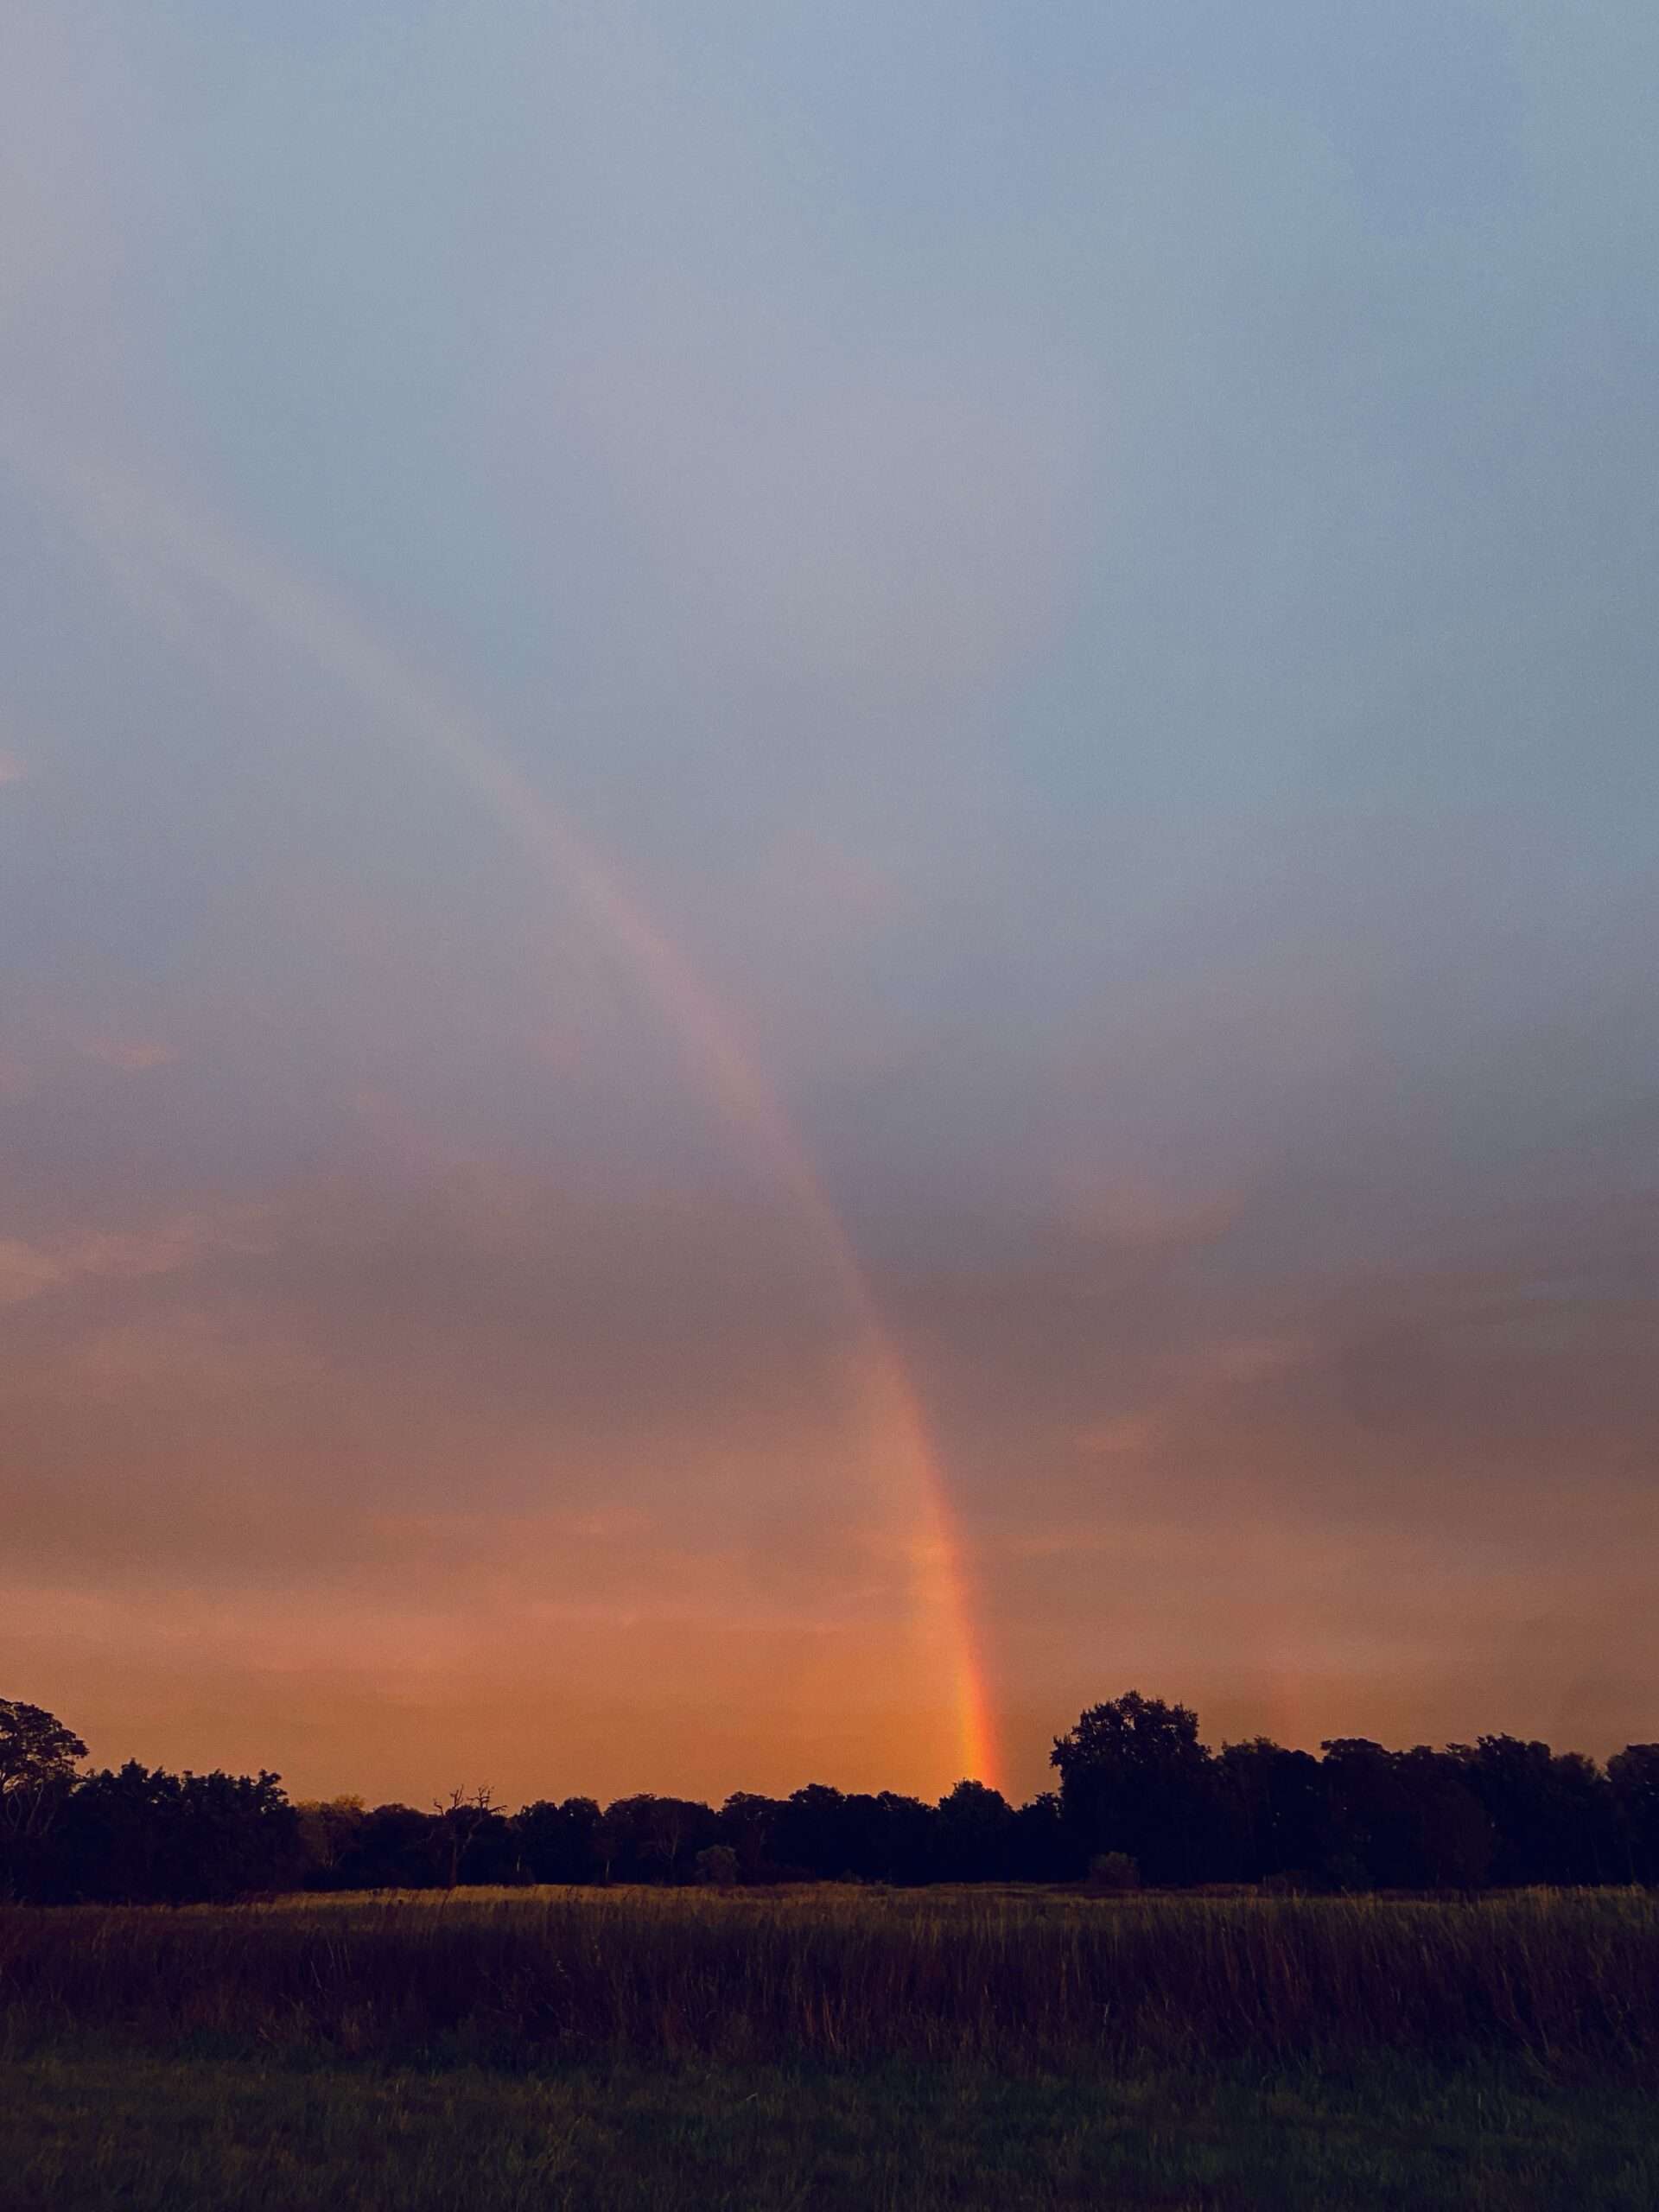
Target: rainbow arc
[[130, 522]]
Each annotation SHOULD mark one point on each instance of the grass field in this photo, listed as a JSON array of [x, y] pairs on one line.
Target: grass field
[[830, 2048]]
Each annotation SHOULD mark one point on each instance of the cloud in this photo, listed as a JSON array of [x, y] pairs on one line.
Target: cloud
[[1141, 1214], [28, 1271], [130, 1055], [329, 1372], [399, 1449], [614, 1436], [1119, 1434]]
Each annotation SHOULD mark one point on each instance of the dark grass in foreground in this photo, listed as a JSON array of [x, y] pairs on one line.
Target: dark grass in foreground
[[81, 2133], [1014, 1980], [629, 2051]]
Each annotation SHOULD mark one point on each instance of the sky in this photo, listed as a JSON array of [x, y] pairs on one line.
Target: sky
[[827, 855]]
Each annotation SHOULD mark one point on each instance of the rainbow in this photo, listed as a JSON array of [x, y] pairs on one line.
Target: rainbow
[[133, 525]]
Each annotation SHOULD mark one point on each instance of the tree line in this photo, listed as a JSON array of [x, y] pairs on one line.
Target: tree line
[[1140, 1799]]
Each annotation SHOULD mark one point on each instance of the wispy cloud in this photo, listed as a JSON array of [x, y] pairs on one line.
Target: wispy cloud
[[130, 1055], [31, 1269]]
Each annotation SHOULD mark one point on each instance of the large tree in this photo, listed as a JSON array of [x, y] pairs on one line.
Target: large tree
[[37, 1765], [975, 1826], [1134, 1778]]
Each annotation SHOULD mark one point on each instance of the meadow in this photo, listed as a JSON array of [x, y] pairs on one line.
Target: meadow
[[1018, 1979], [626, 2048]]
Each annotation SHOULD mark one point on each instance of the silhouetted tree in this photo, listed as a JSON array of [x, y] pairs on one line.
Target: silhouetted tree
[[237, 1833], [906, 1839], [1410, 1819], [678, 1828], [1514, 1783], [1371, 1814], [393, 1849], [1137, 1787], [975, 1834], [327, 1828], [616, 1838], [1633, 1777], [457, 1821], [112, 1845], [492, 1852], [1041, 1846], [38, 1756], [747, 1822], [1133, 1778], [143, 1836], [1272, 1812], [1586, 1822], [650, 1838], [1450, 1835], [1554, 1815], [812, 1834], [556, 1842], [716, 1866]]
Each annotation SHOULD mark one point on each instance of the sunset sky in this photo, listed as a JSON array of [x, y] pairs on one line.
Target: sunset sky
[[827, 867]]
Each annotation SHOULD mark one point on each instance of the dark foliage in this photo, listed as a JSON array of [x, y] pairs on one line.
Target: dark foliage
[[556, 1842], [1138, 1791], [136, 1835], [1554, 1815], [38, 1756], [1135, 1779], [1633, 1776]]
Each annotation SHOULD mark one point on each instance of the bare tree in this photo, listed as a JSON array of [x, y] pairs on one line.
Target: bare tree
[[460, 1817]]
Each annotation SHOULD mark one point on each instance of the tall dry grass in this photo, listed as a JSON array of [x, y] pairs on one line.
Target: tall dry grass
[[1570, 1979]]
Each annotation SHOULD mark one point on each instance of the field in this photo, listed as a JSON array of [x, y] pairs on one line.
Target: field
[[620, 2048]]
